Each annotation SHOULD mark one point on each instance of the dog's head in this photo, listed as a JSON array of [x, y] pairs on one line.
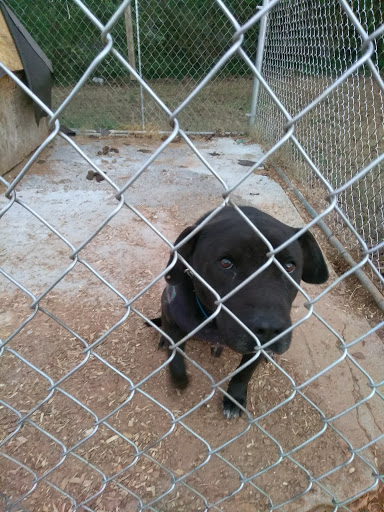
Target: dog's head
[[226, 252]]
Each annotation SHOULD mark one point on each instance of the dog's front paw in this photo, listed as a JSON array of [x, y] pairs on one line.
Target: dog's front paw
[[163, 343], [180, 381], [230, 409], [216, 350]]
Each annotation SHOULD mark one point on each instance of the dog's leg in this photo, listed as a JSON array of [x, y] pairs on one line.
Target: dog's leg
[[177, 369], [216, 350], [156, 321], [177, 364], [238, 387]]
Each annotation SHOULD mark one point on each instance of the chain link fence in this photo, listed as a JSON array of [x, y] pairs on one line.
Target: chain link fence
[[344, 134], [172, 45], [87, 419]]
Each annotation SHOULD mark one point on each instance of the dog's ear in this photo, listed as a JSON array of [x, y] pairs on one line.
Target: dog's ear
[[177, 273], [314, 267]]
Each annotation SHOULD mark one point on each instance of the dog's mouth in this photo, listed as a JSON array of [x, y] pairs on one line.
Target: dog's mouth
[[236, 338], [267, 351]]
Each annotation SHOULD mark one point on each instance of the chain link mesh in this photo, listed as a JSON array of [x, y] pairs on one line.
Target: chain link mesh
[[345, 133], [174, 47], [84, 427]]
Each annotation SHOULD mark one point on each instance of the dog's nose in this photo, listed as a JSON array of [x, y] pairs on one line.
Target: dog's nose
[[266, 329], [266, 334]]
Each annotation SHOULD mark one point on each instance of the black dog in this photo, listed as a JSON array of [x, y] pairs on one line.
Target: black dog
[[225, 252]]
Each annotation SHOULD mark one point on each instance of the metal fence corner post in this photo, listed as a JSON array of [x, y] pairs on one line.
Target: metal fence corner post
[[259, 64]]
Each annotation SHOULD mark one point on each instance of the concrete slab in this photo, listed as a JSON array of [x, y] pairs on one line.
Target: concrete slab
[[176, 189]]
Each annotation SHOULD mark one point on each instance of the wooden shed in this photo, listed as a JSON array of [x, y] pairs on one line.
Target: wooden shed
[[23, 124]]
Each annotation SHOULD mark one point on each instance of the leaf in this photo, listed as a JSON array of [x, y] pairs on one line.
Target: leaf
[[246, 163], [111, 439]]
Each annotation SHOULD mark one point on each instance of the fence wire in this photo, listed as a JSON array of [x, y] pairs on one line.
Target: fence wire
[[344, 134], [93, 431], [172, 46]]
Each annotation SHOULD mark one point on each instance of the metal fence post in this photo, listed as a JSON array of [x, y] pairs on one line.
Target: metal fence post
[[259, 63]]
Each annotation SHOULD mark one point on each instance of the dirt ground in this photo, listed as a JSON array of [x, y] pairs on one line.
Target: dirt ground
[[131, 457]]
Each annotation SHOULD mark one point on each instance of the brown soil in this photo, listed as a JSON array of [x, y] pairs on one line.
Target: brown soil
[[114, 434]]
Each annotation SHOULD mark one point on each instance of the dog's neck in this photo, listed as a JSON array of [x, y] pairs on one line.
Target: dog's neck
[[201, 307], [199, 304]]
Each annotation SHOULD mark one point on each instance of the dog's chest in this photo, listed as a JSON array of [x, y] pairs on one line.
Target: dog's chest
[[186, 313]]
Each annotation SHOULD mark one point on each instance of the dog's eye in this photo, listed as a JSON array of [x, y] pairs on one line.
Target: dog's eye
[[226, 263], [289, 266]]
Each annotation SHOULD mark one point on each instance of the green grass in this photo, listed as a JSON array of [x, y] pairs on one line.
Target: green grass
[[221, 106]]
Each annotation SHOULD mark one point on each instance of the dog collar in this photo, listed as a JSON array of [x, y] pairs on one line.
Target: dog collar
[[173, 296], [201, 307]]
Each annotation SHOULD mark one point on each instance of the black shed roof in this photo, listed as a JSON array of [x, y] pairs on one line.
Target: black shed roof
[[37, 67]]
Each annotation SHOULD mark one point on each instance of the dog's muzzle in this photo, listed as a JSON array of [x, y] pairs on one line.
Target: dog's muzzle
[[237, 338]]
